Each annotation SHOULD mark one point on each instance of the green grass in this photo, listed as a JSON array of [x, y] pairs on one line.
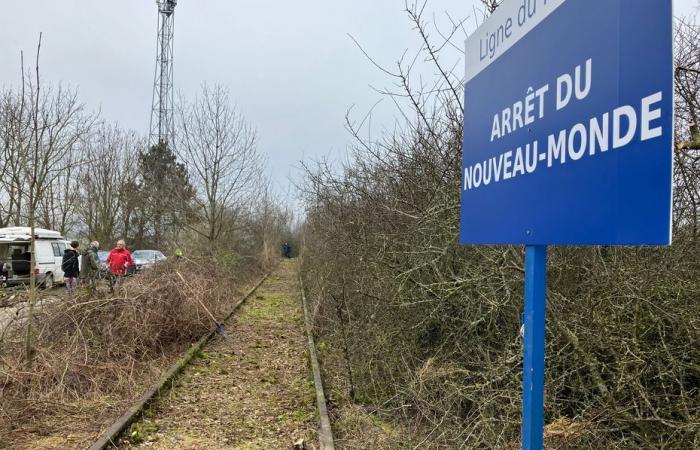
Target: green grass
[[144, 431], [269, 307]]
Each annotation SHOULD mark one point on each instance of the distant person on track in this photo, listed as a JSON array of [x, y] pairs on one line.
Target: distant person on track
[[119, 262], [287, 250], [90, 265], [71, 266]]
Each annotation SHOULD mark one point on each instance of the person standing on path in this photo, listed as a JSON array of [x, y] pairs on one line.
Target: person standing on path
[[90, 264], [287, 250], [71, 266], [119, 261]]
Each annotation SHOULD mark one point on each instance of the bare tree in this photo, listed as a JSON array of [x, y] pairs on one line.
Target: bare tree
[[107, 193], [270, 221], [10, 206], [219, 148], [41, 132], [687, 131], [491, 5], [58, 206]]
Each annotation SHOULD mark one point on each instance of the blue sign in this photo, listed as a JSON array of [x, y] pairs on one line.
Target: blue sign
[[568, 124]]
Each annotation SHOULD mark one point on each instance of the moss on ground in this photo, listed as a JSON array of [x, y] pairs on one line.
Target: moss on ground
[[144, 431], [250, 391], [273, 307]]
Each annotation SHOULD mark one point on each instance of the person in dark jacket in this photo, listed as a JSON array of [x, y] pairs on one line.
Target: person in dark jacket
[[71, 265], [90, 264]]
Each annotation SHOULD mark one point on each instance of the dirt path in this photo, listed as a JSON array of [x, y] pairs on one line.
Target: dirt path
[[13, 304], [250, 391]]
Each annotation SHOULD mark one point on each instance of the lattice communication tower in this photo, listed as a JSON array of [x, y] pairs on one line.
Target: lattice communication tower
[[162, 121]]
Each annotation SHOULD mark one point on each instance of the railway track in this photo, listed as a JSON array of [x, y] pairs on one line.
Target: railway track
[[251, 389]]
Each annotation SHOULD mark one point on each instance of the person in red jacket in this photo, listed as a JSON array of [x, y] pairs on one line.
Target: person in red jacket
[[119, 261]]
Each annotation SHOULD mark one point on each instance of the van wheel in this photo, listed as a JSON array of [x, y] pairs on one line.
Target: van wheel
[[48, 281]]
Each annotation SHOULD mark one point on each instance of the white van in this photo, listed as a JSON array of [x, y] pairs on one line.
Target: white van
[[15, 245]]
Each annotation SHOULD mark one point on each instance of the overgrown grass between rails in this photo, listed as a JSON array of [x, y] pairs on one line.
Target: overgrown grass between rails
[[104, 347]]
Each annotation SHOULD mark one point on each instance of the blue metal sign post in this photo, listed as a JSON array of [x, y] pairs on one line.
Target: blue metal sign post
[[533, 361], [568, 138]]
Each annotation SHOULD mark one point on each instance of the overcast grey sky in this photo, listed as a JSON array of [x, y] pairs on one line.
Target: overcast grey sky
[[290, 66]]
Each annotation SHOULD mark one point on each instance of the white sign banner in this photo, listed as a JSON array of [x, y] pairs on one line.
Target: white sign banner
[[503, 29]]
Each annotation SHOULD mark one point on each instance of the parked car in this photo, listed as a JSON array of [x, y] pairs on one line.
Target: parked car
[[15, 256], [143, 259]]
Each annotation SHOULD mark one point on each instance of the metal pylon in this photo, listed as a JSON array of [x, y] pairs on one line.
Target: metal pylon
[[162, 122]]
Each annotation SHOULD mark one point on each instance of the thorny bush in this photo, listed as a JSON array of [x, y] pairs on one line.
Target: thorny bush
[[428, 332], [96, 345]]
